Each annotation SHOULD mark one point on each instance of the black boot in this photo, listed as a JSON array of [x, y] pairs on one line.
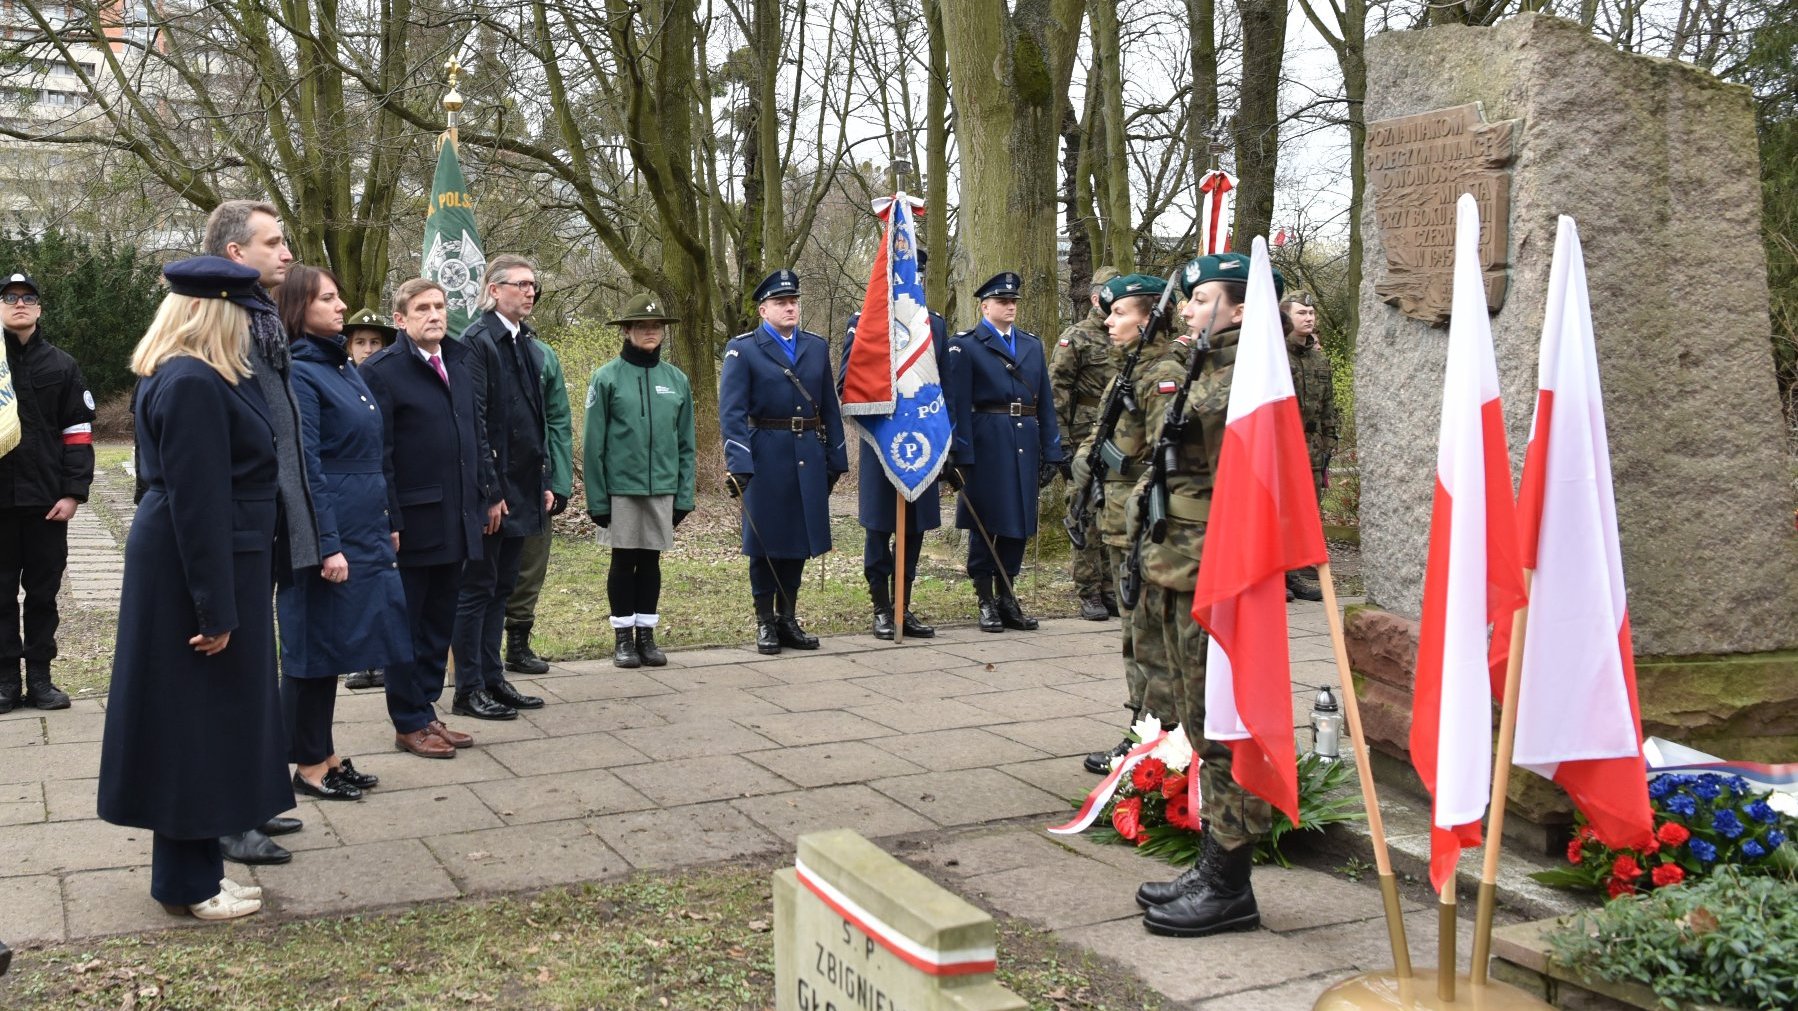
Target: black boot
[[767, 632], [1099, 762], [883, 610], [1012, 615], [1110, 600], [787, 626], [989, 609], [1304, 584], [519, 658], [647, 648], [1092, 608], [9, 689], [915, 629], [1224, 902], [1202, 871], [624, 654], [374, 677], [39, 692]]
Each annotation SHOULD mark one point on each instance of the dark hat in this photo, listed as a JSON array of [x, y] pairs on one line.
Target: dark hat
[[214, 277], [1221, 267], [22, 280], [368, 319], [781, 282], [1004, 284], [1130, 284], [646, 308]]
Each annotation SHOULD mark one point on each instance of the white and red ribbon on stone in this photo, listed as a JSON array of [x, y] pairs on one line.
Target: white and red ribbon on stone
[[925, 959]]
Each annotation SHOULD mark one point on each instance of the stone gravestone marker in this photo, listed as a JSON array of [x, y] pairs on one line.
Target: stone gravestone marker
[[1658, 162], [856, 930]]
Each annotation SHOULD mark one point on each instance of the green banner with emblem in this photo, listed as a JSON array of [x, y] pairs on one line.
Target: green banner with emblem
[[452, 252]]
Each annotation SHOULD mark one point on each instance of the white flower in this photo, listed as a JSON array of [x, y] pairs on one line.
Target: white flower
[[1175, 751], [1784, 803], [1147, 729]]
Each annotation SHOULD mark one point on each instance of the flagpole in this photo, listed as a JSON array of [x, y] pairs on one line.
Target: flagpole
[[1376, 825], [1446, 963], [1501, 783], [899, 568], [452, 101]]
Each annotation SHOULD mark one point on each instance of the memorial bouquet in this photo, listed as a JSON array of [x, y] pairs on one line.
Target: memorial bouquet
[[1702, 823], [1152, 810]]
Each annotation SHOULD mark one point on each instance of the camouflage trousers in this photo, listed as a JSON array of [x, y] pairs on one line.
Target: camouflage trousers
[[1150, 668], [1093, 567], [1234, 815]]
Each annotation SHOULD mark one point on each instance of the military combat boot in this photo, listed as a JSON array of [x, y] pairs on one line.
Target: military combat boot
[[1111, 602], [767, 634], [647, 649], [788, 627], [9, 689], [1092, 608], [1203, 869], [519, 658], [624, 653], [39, 692], [989, 608], [1099, 762], [1224, 902], [1303, 584], [883, 610]]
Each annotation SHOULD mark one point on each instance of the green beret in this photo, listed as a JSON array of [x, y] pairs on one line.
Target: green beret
[[1221, 267], [1130, 284], [645, 308]]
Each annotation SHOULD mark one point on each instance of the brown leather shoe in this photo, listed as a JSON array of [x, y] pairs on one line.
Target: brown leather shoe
[[455, 738], [424, 744]]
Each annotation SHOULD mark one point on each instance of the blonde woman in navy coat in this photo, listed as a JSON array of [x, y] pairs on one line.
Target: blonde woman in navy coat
[[194, 746]]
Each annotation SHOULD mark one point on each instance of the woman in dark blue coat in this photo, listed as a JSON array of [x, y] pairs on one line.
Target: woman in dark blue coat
[[194, 739], [350, 613]]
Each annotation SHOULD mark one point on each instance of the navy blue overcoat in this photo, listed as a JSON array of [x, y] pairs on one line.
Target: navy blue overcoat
[[334, 628], [787, 508], [877, 502], [1000, 453], [195, 746]]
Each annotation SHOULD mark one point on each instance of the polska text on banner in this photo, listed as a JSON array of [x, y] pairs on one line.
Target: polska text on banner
[[891, 389], [452, 247]]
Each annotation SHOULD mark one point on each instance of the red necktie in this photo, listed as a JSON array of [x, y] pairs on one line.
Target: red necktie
[[437, 363]]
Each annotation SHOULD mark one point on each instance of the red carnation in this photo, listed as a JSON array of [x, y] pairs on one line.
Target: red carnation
[[1626, 868], [1148, 774], [1585, 834], [1174, 785], [1126, 817], [1574, 852], [1179, 812], [1673, 834], [1618, 886], [1668, 874]]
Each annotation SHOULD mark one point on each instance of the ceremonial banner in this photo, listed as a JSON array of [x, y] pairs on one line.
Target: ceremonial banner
[[452, 250], [1474, 578], [891, 389], [1264, 522], [1217, 205], [1577, 718]]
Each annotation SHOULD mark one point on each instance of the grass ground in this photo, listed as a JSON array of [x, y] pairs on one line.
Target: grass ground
[[696, 941]]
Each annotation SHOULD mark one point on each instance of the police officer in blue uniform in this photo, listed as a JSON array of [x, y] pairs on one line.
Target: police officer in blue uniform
[[877, 504], [1006, 448], [783, 447]]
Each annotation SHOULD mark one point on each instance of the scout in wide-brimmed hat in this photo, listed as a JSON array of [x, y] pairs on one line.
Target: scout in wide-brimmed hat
[[645, 308], [363, 334]]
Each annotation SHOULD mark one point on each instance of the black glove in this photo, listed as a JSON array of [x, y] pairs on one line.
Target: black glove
[[602, 519], [1045, 475], [953, 477], [834, 478], [558, 504], [1066, 470], [681, 514], [738, 485]]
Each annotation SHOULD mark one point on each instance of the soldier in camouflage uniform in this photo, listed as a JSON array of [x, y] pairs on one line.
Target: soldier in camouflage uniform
[[1215, 894], [1316, 392], [1152, 685], [1080, 368]]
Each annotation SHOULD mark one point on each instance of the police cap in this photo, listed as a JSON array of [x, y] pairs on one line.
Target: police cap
[[781, 282], [1004, 284], [214, 277]]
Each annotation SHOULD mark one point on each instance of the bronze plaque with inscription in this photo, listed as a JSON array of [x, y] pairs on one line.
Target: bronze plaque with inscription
[[1417, 167]]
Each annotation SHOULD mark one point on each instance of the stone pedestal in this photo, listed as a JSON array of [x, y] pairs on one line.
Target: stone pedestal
[[1658, 163]]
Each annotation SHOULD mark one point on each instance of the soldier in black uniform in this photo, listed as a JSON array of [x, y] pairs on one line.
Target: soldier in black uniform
[[1007, 445]]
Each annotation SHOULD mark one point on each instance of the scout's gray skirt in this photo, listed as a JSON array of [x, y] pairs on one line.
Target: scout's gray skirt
[[640, 522]]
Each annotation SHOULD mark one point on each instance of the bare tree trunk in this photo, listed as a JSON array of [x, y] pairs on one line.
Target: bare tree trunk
[[936, 154], [1258, 116], [1083, 214], [768, 51], [1080, 247], [1120, 238]]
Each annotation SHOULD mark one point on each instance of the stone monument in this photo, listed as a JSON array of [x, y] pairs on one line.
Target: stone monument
[[1658, 162], [856, 929]]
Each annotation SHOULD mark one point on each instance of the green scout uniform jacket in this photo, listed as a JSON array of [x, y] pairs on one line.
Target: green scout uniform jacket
[[1080, 370], [1315, 389], [639, 434], [1174, 563], [558, 424]]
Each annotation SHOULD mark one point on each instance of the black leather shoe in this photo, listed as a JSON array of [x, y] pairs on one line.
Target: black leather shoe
[[328, 788], [883, 624], [787, 627], [767, 637], [374, 677], [360, 780], [508, 695], [1304, 585], [10, 691], [1224, 902], [1093, 609], [1013, 616], [1099, 762], [482, 706], [989, 617], [281, 826], [915, 629], [252, 847]]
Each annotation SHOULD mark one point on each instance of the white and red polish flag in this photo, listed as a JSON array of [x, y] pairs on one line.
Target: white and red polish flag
[[1217, 203], [1474, 579], [1264, 522], [1577, 718]]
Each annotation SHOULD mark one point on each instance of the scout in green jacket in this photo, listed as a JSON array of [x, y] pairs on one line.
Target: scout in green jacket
[[638, 463]]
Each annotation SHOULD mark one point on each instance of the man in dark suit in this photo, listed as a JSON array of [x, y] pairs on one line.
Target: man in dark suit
[[440, 483], [507, 367]]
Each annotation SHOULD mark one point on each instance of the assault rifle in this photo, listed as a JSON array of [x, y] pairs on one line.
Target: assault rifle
[[1104, 457]]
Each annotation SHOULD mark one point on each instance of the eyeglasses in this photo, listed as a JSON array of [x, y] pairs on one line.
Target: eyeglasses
[[527, 287], [14, 298]]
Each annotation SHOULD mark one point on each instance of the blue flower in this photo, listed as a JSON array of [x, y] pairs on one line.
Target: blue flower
[[1753, 850], [1704, 851], [1727, 824], [1708, 787], [1682, 804], [1738, 786], [1660, 786], [1775, 839], [1762, 812]]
